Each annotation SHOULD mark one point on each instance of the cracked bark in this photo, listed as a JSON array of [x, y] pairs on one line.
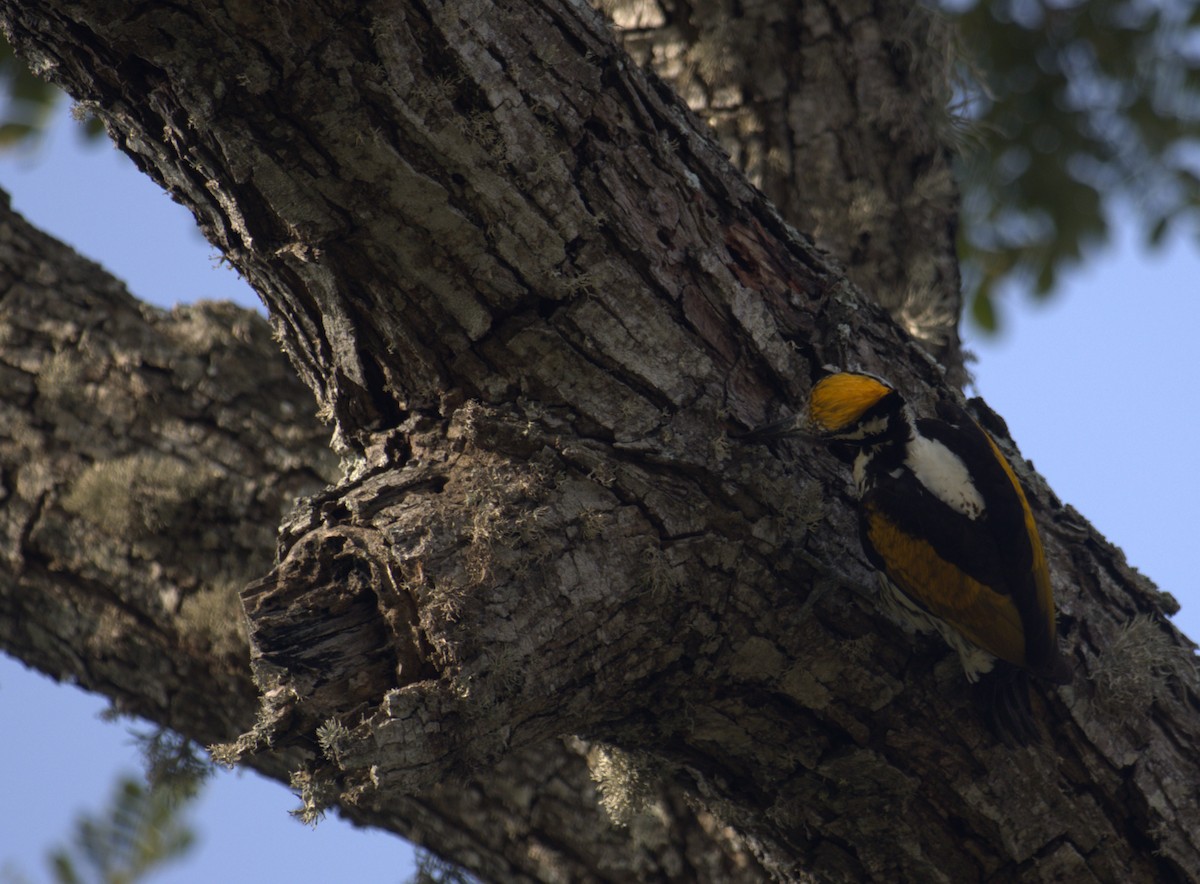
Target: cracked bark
[[146, 458], [532, 298], [837, 111]]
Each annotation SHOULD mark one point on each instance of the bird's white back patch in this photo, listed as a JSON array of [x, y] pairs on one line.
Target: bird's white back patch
[[945, 475]]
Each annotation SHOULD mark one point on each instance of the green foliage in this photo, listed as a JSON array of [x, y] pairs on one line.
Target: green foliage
[[435, 870], [174, 764], [140, 831], [28, 102], [1076, 106], [142, 828]]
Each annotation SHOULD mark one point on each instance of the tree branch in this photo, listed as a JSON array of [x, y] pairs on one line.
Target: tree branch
[[125, 428], [532, 297], [146, 457], [838, 112]]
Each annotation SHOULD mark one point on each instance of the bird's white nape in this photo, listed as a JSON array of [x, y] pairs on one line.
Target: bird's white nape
[[944, 474]]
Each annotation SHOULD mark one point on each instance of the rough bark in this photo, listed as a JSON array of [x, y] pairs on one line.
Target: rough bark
[[533, 298], [125, 428], [147, 457], [838, 111]]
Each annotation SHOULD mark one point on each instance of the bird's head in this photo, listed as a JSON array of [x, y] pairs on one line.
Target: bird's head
[[854, 408], [848, 410]]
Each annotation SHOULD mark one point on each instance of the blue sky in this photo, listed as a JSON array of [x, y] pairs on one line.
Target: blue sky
[[1098, 387]]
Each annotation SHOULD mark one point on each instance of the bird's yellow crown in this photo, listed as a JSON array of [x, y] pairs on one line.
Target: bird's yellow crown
[[840, 400]]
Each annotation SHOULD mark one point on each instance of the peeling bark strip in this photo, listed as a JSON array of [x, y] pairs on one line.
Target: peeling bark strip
[[532, 297]]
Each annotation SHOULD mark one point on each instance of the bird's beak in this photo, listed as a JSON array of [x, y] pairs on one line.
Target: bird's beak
[[797, 425]]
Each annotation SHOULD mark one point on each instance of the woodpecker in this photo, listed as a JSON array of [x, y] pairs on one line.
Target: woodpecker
[[944, 520]]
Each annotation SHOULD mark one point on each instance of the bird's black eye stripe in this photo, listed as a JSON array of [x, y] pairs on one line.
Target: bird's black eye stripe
[[890, 407]]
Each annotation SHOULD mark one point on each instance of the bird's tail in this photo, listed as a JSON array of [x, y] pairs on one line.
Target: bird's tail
[[1007, 706]]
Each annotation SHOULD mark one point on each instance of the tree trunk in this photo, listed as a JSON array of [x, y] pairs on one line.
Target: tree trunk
[[533, 299], [840, 118]]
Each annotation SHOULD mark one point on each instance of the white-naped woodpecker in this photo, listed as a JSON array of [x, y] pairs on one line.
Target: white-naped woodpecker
[[945, 521]]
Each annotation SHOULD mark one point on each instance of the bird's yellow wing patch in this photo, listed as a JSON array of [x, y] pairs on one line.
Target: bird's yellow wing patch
[[984, 616], [1040, 572]]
